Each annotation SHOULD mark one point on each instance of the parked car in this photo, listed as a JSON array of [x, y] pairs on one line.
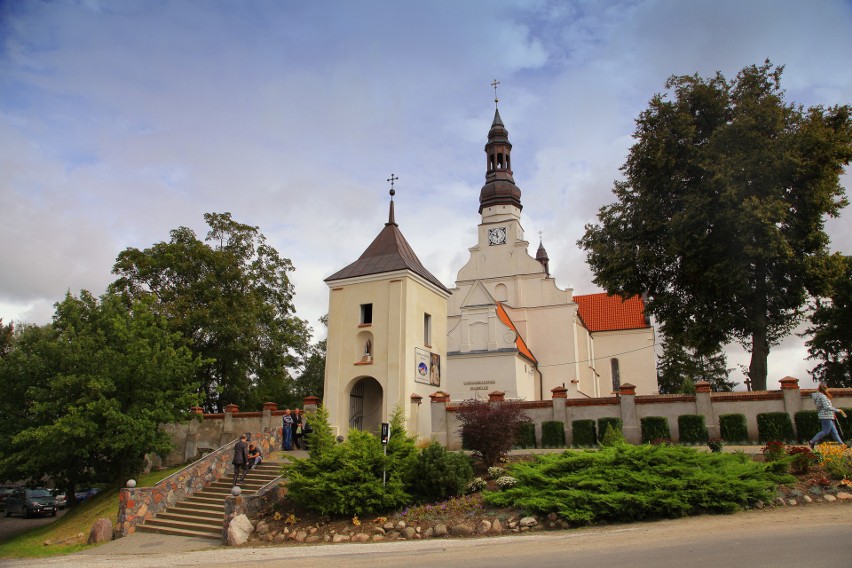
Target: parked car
[[29, 502], [86, 494], [61, 498], [4, 492]]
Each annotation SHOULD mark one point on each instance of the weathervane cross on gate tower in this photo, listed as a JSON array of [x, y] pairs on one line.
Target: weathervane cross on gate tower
[[494, 84]]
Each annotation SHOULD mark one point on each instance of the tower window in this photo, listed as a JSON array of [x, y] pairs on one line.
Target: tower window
[[427, 329], [366, 313]]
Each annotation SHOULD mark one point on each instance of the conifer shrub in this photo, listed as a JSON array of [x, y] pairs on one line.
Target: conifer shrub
[[583, 433], [346, 478], [616, 423], [438, 474], [774, 427], [654, 428], [526, 435], [807, 424], [612, 436], [553, 434], [692, 428], [625, 483], [489, 430], [732, 428]]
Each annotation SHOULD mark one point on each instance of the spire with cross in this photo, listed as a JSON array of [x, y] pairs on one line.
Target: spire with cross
[[494, 84], [392, 179]]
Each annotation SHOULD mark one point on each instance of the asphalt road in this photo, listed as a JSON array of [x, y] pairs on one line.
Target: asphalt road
[[814, 536], [15, 524]]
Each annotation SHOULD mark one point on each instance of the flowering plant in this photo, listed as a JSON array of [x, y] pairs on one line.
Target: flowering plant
[[506, 481], [476, 484], [495, 472]]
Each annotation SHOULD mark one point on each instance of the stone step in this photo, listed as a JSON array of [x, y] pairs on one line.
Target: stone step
[[186, 529], [214, 521]]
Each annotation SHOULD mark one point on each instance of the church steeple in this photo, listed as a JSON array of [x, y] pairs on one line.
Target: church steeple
[[541, 256], [499, 188]]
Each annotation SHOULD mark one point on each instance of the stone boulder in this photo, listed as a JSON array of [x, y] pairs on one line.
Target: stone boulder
[[239, 530], [101, 532]]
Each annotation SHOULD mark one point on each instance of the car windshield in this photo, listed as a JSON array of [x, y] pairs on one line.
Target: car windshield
[[40, 493]]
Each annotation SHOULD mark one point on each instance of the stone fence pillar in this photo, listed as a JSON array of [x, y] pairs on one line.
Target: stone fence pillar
[[630, 421], [560, 413], [439, 417], [267, 422], [414, 418], [704, 407]]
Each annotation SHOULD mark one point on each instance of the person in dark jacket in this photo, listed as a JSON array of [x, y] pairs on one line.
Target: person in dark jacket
[[240, 460], [297, 428]]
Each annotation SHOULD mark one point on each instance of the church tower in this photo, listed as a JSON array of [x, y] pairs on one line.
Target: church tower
[[387, 332]]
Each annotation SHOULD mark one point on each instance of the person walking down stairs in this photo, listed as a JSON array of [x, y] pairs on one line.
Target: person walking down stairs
[[240, 461]]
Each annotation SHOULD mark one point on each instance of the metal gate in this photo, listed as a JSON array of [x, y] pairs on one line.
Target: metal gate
[[356, 406]]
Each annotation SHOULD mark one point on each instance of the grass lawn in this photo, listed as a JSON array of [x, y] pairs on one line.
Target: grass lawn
[[76, 521]]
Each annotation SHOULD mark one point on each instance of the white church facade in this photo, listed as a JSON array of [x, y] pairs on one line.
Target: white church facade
[[397, 335]]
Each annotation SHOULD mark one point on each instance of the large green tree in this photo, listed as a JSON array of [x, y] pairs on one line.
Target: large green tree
[[84, 396], [720, 216], [679, 368], [831, 331], [230, 296]]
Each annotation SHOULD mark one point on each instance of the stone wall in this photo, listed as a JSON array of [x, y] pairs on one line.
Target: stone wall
[[139, 504], [631, 409]]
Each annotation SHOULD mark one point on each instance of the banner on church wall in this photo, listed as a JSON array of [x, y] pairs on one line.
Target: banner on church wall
[[427, 367]]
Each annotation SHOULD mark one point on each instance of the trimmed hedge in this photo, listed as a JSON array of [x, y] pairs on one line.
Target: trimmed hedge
[[732, 428], [807, 424], [583, 433], [526, 436], [774, 427], [693, 429], [654, 428], [616, 423], [552, 434]]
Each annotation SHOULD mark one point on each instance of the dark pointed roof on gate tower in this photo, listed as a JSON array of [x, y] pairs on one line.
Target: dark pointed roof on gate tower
[[499, 188], [388, 252]]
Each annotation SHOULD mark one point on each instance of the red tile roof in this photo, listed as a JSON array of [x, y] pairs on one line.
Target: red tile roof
[[601, 312], [519, 341]]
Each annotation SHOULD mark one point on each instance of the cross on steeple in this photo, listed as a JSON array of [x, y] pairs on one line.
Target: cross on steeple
[[494, 84], [392, 179], [391, 219]]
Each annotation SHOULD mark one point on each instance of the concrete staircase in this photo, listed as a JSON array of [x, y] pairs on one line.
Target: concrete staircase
[[202, 514]]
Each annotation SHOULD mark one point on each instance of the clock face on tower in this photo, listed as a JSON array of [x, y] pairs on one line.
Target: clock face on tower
[[497, 236]]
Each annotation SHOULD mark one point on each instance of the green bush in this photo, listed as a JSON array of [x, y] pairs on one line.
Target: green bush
[[583, 433], [616, 423], [346, 479], [654, 428], [612, 436], [625, 483], [552, 434], [732, 428], [692, 428], [526, 436], [774, 427], [807, 424], [438, 474]]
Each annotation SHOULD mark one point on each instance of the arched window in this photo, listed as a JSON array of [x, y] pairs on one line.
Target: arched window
[[616, 375]]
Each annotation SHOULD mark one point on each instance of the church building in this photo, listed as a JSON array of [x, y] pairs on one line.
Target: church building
[[396, 334]]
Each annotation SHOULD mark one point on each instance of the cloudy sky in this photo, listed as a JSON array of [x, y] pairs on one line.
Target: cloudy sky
[[121, 120]]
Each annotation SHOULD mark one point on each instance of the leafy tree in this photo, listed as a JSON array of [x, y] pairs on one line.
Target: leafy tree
[[85, 395], [490, 430], [831, 332], [679, 368], [311, 381], [720, 217], [231, 298], [7, 332]]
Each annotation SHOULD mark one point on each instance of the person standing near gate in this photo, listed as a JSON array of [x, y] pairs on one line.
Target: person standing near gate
[[287, 430], [825, 413], [240, 461]]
